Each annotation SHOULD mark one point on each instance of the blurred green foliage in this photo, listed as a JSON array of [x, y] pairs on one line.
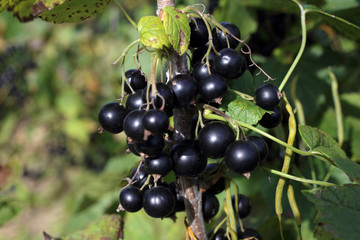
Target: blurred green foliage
[[57, 174]]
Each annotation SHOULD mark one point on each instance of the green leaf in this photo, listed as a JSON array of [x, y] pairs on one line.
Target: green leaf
[[318, 141], [244, 84], [338, 211], [70, 11], [240, 109], [337, 5], [152, 32], [177, 28], [22, 10]]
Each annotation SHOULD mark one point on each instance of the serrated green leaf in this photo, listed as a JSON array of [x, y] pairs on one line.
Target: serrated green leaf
[[338, 212], [320, 141], [240, 109], [152, 32], [177, 28], [244, 84], [72, 11]]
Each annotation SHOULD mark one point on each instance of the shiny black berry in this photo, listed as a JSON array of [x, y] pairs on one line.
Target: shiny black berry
[[219, 235], [249, 233], [244, 205], [184, 88], [158, 202], [271, 120], [131, 146], [212, 87], [111, 117], [140, 176], [229, 63], [136, 78], [166, 94], [132, 125], [131, 199], [219, 186], [242, 157], [152, 147], [267, 96], [260, 145], [200, 71], [199, 33], [220, 39], [155, 121], [199, 53], [214, 138], [134, 101], [210, 206], [179, 200], [161, 165]]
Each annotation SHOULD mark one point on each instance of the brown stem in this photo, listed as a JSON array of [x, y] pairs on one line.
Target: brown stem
[[182, 121]]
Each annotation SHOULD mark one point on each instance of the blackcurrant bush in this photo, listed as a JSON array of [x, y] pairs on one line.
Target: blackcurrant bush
[[184, 88], [179, 200], [214, 138], [132, 125], [212, 87], [200, 71], [152, 147], [140, 176], [249, 233], [136, 78], [260, 145], [267, 96], [229, 63], [166, 94], [187, 158], [244, 205], [158, 202], [134, 101], [199, 53], [219, 235], [111, 117], [131, 199], [271, 120], [161, 165], [242, 157], [210, 206], [221, 39], [155, 121], [199, 33]]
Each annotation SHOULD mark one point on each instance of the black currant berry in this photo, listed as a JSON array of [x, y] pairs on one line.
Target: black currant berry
[[179, 200], [199, 33], [166, 94], [271, 120], [220, 39], [267, 96], [249, 233], [199, 53], [131, 199], [219, 235], [184, 88], [140, 177], [111, 117], [131, 146], [187, 158], [152, 147], [242, 157], [229, 63], [210, 170], [260, 145], [136, 78], [210, 206], [132, 125], [155, 121], [160, 165], [212, 88], [134, 101], [158, 202], [200, 71], [244, 205], [214, 138]]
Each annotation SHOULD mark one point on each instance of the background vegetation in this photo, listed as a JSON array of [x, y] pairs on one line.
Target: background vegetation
[[57, 174]]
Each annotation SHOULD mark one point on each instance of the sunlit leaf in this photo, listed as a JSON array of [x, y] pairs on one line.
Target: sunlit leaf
[[152, 32]]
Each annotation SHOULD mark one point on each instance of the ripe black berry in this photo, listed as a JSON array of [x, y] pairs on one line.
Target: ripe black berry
[[267, 96], [111, 117], [229, 63], [244, 205], [131, 146], [219, 235], [134, 100], [212, 87], [153, 146], [158, 202], [140, 177], [214, 138], [260, 144], [200, 52], [249, 233], [165, 92], [136, 78], [161, 165], [271, 120], [220, 39], [210, 170], [199, 33], [184, 88], [187, 158], [200, 71], [132, 125], [155, 121], [210, 206], [131, 199], [179, 200], [242, 157]]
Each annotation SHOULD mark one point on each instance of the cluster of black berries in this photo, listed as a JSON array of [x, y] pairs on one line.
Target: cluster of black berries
[[244, 208]]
